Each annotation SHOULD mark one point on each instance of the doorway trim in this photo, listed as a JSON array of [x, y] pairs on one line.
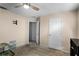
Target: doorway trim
[[33, 19]]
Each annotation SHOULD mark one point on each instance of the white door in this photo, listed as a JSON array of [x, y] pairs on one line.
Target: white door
[[55, 33]]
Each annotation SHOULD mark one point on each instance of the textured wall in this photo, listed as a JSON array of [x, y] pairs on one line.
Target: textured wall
[[44, 31], [77, 24], [68, 31], [10, 31]]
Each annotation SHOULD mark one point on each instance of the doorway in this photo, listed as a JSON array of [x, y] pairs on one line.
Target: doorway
[[34, 32]]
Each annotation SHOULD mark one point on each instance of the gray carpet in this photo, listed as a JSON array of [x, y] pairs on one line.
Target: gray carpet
[[37, 51]]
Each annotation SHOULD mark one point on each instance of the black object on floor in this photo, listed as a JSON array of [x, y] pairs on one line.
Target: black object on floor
[[74, 47]]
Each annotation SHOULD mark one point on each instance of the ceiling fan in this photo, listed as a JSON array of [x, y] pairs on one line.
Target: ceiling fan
[[27, 5]]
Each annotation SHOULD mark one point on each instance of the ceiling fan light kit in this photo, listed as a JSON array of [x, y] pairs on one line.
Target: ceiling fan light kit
[[26, 6]]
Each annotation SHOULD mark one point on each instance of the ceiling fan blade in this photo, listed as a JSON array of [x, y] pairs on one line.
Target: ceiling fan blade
[[34, 7], [3, 8]]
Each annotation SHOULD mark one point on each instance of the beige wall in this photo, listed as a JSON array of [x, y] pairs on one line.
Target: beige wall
[[10, 31], [78, 23], [44, 31], [68, 30]]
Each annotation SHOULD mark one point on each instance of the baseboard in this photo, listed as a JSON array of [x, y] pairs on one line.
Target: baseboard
[[56, 49]]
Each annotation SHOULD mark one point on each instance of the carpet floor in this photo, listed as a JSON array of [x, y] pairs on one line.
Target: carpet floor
[[37, 51]]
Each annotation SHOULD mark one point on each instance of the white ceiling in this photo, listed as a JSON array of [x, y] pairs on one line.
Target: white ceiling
[[45, 8]]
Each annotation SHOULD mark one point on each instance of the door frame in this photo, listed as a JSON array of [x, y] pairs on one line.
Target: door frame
[[37, 28]]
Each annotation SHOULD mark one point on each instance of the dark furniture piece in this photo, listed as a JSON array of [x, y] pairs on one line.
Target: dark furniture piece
[[74, 47]]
